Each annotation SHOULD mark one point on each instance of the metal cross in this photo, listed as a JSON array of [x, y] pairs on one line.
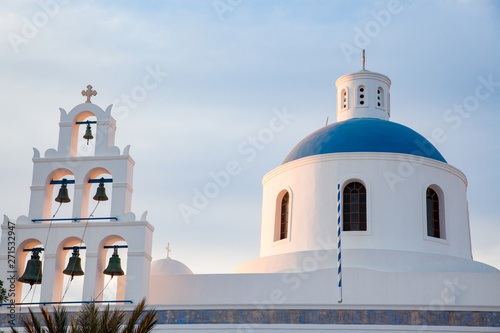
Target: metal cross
[[363, 59], [168, 250], [89, 93]]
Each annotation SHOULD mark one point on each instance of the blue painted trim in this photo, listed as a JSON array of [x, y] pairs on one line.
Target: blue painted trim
[[419, 318], [331, 317], [86, 122], [55, 182], [365, 135], [72, 181], [98, 180], [39, 249], [72, 247], [77, 219], [69, 302]]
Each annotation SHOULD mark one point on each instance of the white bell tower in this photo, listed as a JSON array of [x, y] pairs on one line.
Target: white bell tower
[[96, 234]]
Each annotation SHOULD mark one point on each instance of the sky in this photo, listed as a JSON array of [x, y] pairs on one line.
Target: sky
[[222, 70]]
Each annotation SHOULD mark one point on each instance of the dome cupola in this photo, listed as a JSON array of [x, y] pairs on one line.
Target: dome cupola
[[169, 266], [363, 94]]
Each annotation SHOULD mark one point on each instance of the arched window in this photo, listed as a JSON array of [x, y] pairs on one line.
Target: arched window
[[344, 99], [380, 97], [362, 96], [285, 207], [354, 207], [433, 223]]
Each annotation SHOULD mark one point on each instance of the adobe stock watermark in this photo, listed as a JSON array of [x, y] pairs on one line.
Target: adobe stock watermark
[[453, 117], [373, 28], [126, 102], [293, 279], [449, 295], [31, 27], [10, 296], [224, 7], [248, 150]]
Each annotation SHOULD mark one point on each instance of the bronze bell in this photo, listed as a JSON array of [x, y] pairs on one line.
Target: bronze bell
[[75, 264], [33, 272], [100, 194], [114, 265], [88, 133], [63, 196]]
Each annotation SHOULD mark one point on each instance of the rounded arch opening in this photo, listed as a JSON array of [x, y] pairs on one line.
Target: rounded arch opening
[[109, 288], [435, 212], [380, 98], [91, 207], [65, 288], [283, 215], [24, 292], [80, 146], [361, 96], [354, 206], [344, 99], [52, 208]]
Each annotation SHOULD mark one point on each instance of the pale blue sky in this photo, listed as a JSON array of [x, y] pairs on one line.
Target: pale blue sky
[[227, 72]]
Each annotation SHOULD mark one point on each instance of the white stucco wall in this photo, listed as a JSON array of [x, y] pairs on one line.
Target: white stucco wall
[[362, 287]]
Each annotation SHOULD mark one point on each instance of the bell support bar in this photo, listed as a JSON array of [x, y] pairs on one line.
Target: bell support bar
[[98, 180], [39, 249], [86, 122], [74, 247], [72, 181], [84, 247], [62, 181]]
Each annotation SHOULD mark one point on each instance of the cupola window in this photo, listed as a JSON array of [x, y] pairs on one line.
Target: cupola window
[[285, 207], [344, 99], [380, 97], [354, 207], [433, 216], [362, 96]]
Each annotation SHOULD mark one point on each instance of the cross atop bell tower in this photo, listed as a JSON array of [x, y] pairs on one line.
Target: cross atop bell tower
[[89, 93]]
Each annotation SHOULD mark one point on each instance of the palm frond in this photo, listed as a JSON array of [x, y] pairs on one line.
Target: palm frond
[[111, 322], [61, 319], [31, 323], [147, 322], [47, 320], [88, 318], [140, 322], [116, 321]]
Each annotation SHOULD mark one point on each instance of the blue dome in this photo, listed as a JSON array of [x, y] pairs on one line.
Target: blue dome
[[365, 135]]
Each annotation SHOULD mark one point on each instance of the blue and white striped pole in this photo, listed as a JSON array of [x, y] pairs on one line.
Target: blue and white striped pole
[[339, 252]]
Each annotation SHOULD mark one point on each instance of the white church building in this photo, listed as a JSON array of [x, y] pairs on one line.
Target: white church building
[[365, 228]]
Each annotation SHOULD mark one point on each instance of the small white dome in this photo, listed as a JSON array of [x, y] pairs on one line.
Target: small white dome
[[169, 266]]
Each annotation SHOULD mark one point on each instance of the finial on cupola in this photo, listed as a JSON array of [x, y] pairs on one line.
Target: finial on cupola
[[363, 59], [89, 93]]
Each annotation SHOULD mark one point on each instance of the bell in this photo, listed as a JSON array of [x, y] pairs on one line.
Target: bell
[[74, 264], [114, 265], [88, 133], [100, 195], [33, 272], [63, 193]]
